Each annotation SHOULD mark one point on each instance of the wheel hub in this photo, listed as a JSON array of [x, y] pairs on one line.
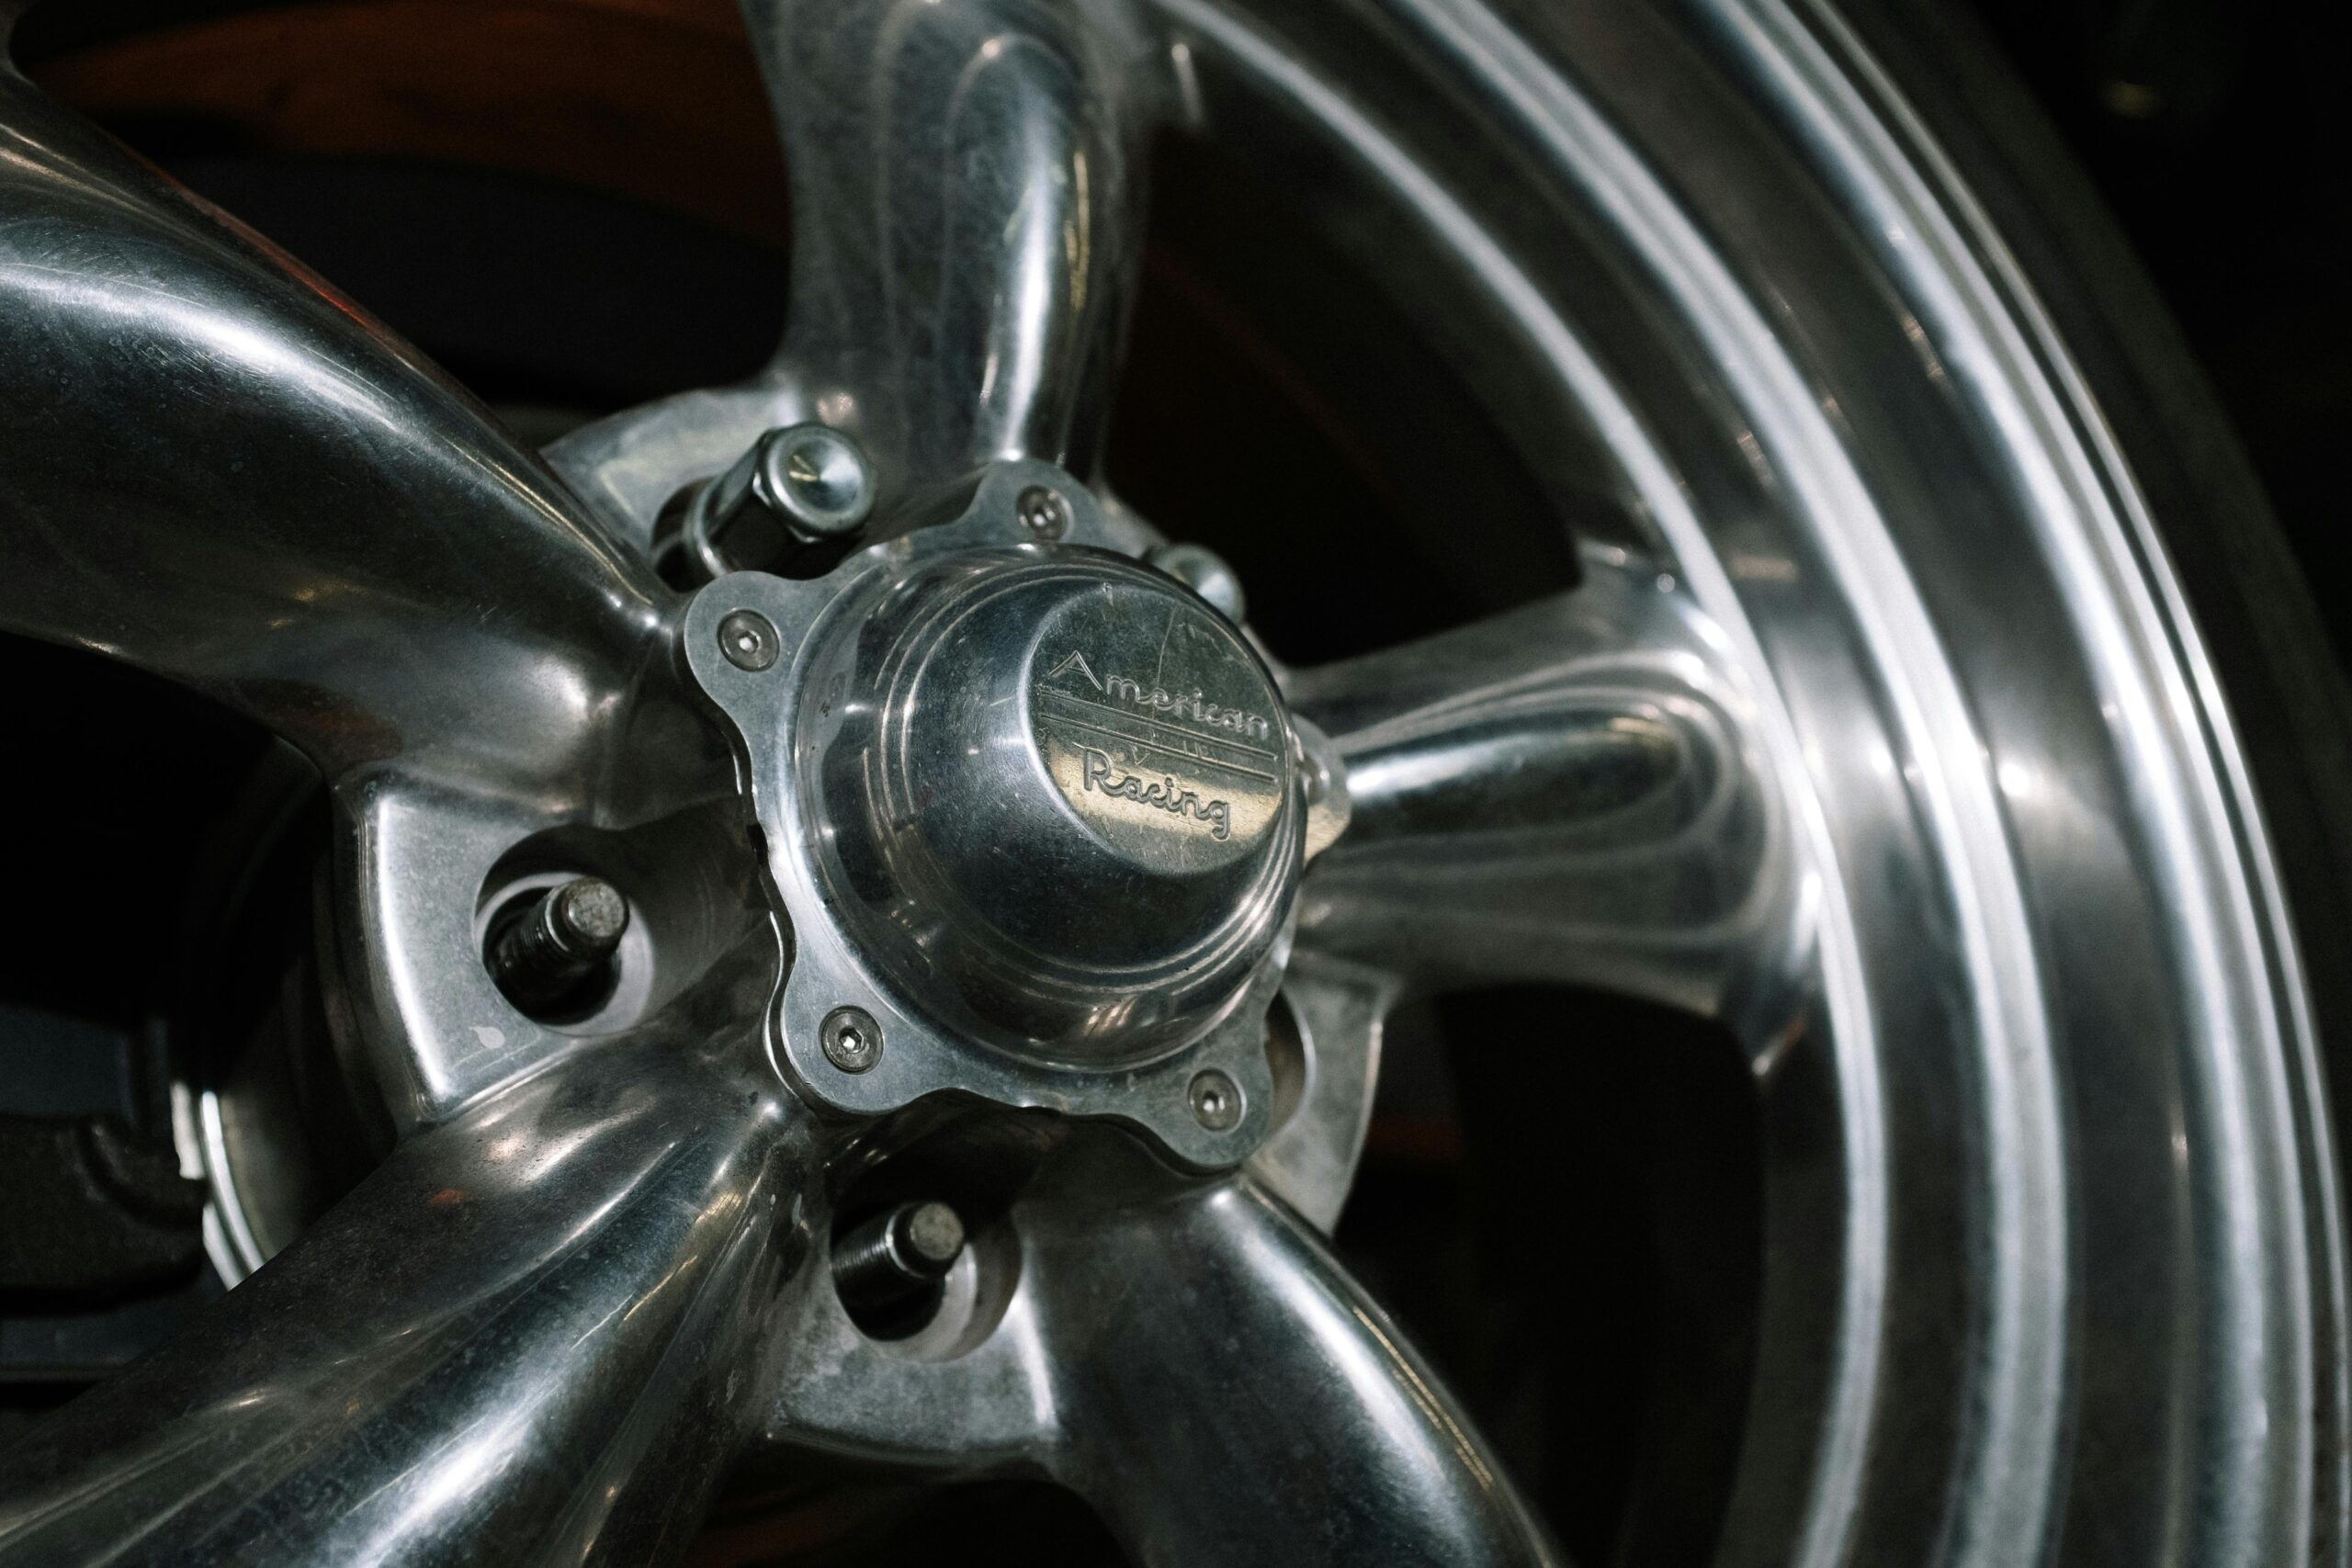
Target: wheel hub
[[1034, 818], [1057, 805]]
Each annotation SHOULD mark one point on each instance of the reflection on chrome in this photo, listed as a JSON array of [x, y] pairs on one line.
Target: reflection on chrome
[[1875, 731], [1570, 792]]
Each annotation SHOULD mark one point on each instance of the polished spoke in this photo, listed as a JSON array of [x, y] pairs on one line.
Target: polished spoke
[[1335, 1013], [524, 1339], [967, 205], [1189, 1358], [1567, 793], [1225, 1393], [967, 208], [214, 468]]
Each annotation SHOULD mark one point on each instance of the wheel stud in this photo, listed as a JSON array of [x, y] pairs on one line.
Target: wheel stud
[[547, 953], [1204, 571], [897, 1257], [793, 504]]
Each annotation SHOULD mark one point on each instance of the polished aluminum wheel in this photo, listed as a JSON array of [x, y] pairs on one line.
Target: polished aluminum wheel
[[919, 1107]]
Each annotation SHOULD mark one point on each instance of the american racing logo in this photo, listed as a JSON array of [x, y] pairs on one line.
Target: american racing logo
[[1159, 699], [1100, 771]]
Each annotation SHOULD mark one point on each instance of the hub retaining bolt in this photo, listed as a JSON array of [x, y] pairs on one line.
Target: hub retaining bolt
[[1217, 1101], [546, 954], [850, 1040], [749, 640], [1043, 512]]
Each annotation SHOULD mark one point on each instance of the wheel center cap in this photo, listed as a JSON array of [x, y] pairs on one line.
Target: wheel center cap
[[1058, 803]]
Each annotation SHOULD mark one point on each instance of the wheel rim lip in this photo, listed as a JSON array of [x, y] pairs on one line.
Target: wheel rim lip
[[2192, 799]]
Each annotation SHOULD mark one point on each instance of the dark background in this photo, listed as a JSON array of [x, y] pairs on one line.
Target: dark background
[[2218, 133]]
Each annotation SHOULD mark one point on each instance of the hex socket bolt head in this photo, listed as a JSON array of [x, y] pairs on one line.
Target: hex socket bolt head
[[748, 641], [850, 1040], [1043, 512], [1215, 1101]]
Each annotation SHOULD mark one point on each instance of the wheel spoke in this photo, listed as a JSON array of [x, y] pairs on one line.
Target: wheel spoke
[[967, 207], [1227, 1394], [1564, 793], [523, 1339], [1336, 1014], [213, 467]]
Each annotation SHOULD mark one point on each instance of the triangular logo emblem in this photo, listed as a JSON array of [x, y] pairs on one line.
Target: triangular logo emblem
[[1075, 660]]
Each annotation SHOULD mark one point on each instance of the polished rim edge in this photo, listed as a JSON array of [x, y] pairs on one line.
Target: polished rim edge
[[2095, 522], [2021, 1413], [2022, 1400]]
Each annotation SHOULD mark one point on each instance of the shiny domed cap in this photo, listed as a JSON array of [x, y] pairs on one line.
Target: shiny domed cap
[[1061, 795]]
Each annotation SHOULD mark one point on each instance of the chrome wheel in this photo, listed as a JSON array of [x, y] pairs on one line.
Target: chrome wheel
[[967, 841]]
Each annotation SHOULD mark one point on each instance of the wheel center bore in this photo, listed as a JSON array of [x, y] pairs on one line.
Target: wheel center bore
[[1058, 800]]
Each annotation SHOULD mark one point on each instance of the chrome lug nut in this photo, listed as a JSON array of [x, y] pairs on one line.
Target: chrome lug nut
[[549, 953], [1204, 571], [850, 1040], [793, 504]]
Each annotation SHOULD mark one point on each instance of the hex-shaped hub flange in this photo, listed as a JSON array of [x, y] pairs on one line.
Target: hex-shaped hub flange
[[1034, 808]]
